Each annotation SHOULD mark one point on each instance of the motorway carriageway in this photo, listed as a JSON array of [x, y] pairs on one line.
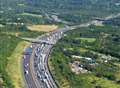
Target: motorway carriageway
[[35, 62]]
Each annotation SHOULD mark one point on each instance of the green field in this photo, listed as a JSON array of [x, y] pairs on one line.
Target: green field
[[87, 39]]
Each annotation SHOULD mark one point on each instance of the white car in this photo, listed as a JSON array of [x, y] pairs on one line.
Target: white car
[[26, 72]]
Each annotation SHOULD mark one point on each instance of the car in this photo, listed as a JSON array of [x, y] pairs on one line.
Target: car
[[42, 46], [38, 49], [26, 65], [24, 57], [36, 54], [26, 72], [31, 46]]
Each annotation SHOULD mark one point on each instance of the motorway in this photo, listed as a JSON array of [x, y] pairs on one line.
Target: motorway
[[35, 59]]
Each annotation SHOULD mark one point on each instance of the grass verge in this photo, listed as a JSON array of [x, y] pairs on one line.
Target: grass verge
[[14, 65]]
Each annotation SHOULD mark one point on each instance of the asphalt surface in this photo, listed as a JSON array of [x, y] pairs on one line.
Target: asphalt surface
[[35, 61]]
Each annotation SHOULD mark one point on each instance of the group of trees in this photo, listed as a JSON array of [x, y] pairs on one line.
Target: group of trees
[[76, 11], [61, 55]]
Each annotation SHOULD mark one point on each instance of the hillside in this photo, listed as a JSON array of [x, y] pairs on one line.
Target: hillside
[[71, 10]]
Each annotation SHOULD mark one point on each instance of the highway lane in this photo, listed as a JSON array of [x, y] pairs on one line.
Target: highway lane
[[93, 22], [37, 74], [45, 76], [32, 70], [27, 74]]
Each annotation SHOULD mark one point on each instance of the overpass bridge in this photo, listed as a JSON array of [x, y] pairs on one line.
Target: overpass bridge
[[38, 41]]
